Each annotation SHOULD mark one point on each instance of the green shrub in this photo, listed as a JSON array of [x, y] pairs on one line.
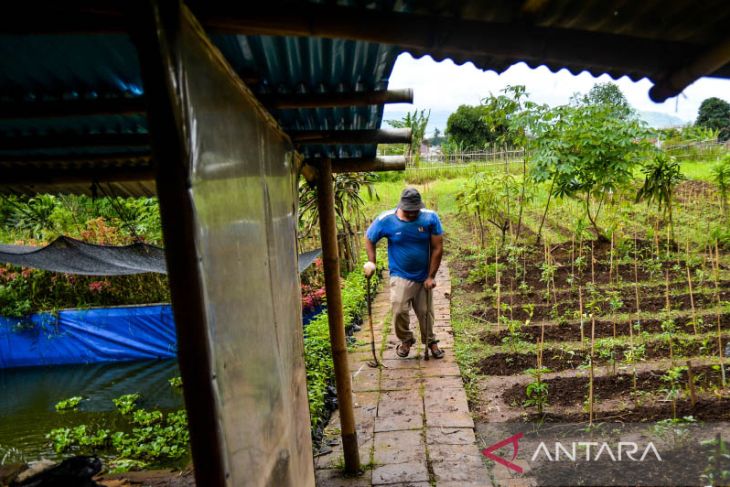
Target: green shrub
[[317, 346]]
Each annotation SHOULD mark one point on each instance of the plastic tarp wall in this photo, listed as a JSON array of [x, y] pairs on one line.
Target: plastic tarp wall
[[243, 187], [88, 336]]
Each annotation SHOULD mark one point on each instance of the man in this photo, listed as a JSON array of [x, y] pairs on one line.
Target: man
[[415, 247]]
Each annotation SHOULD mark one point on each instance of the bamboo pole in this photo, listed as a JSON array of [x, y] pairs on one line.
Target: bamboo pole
[[592, 372], [716, 266], [330, 259], [691, 293], [691, 381]]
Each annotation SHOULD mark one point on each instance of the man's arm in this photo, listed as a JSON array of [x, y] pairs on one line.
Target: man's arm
[[369, 268], [437, 251]]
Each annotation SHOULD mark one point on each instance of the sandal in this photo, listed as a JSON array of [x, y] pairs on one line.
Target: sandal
[[436, 352], [403, 349]]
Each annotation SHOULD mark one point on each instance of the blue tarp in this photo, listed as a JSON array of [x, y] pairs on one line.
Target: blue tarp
[[88, 336]]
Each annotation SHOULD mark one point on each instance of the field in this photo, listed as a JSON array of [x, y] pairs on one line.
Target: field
[[630, 325]]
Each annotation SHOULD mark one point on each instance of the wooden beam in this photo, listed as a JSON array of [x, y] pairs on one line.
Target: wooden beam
[[59, 141], [349, 99], [335, 315], [71, 108], [376, 136], [703, 65], [364, 164]]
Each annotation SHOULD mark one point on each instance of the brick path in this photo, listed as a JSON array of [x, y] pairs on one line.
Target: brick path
[[413, 421]]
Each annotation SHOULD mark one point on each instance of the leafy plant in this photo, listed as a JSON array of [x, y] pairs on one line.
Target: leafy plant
[[176, 382], [127, 403], [662, 174], [537, 390], [68, 404]]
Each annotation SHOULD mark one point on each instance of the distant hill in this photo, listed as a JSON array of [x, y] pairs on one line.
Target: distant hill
[[660, 120]]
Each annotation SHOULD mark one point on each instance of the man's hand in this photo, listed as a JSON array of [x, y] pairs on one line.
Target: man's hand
[[369, 269], [429, 283]]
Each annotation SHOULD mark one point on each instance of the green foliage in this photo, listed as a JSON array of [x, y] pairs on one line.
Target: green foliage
[[610, 95], [150, 437], [714, 113], [317, 347], [417, 122], [45, 217], [126, 404], [468, 128], [662, 174], [587, 152], [721, 177], [176, 382], [68, 404], [488, 196], [537, 390]]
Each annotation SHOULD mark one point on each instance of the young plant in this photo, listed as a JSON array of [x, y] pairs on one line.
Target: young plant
[[537, 390], [672, 379]]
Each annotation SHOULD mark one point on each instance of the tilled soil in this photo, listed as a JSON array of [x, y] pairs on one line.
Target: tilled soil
[[556, 359], [605, 329], [573, 390]]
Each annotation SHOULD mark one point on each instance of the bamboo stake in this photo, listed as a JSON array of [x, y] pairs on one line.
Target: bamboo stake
[[580, 303], [716, 267], [590, 383], [691, 380], [593, 261], [610, 262], [497, 283], [691, 293], [636, 273]]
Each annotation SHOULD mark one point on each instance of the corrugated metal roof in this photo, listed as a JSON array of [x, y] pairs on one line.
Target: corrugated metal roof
[[315, 65], [67, 67]]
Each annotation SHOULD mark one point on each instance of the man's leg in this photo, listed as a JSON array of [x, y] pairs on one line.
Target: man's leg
[[423, 306], [400, 297]]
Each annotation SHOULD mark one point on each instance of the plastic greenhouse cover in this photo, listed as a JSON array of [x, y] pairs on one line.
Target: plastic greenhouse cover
[[88, 336], [243, 190]]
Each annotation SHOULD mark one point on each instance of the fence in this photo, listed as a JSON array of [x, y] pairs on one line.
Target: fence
[[701, 149]]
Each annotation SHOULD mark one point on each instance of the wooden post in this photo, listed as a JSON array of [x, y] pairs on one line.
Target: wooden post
[[156, 28], [691, 381], [331, 261]]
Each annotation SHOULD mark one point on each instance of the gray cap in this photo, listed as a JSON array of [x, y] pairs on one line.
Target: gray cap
[[410, 200]]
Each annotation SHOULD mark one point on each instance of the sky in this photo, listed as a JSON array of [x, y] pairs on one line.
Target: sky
[[443, 86]]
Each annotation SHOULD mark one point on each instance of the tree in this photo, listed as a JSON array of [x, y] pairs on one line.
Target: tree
[[714, 113], [487, 196], [586, 152], [721, 176], [662, 174], [417, 122], [608, 94], [468, 129]]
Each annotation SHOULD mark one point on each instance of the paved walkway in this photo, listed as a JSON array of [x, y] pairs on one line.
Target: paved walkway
[[413, 422]]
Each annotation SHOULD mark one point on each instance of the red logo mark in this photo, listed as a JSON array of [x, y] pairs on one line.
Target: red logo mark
[[514, 440]]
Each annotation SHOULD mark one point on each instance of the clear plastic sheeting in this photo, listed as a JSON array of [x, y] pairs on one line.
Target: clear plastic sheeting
[[244, 193], [88, 336]]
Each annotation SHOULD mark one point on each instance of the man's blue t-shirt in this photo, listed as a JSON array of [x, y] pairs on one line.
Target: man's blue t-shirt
[[409, 243]]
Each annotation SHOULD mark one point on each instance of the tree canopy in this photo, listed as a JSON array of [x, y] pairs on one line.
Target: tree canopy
[[714, 113]]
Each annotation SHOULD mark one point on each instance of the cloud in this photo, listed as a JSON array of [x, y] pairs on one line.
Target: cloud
[[443, 86]]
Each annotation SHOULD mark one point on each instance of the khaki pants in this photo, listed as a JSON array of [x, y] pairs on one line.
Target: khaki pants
[[405, 294]]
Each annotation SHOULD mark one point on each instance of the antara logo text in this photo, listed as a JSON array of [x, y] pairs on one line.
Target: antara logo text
[[589, 451]]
